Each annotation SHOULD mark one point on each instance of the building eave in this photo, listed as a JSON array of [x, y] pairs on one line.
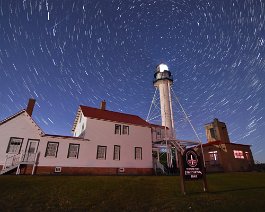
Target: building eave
[[12, 117], [65, 136], [76, 118]]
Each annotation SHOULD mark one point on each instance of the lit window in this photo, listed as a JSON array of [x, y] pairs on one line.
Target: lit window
[[247, 155], [213, 155], [101, 152], [213, 158], [116, 153], [125, 130], [73, 150], [14, 145], [52, 148], [117, 129], [238, 154], [138, 153]]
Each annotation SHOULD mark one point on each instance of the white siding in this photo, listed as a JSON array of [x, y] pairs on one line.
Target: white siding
[[61, 159], [98, 132], [21, 126], [103, 133], [78, 129]]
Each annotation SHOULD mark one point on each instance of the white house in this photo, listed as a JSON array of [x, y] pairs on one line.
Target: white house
[[104, 142]]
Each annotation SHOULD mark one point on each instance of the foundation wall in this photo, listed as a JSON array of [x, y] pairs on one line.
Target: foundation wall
[[50, 170]]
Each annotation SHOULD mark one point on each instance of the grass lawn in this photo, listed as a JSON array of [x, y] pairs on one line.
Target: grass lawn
[[227, 192]]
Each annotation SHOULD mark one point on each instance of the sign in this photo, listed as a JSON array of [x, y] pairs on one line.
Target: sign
[[191, 165]]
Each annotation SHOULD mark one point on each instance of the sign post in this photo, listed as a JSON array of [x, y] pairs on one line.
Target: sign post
[[181, 172]]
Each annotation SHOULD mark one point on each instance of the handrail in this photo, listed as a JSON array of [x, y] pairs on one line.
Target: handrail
[[12, 155], [17, 159], [11, 162], [159, 165]]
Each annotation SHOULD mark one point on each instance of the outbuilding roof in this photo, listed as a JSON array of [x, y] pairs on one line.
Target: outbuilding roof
[[212, 143]]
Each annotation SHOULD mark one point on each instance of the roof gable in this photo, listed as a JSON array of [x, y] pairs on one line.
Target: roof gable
[[11, 117], [107, 115], [18, 114]]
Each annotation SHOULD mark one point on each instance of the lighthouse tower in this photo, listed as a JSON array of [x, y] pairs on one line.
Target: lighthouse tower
[[163, 80]]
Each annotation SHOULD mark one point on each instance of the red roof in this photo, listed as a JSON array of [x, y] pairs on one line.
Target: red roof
[[221, 142], [113, 116], [158, 126]]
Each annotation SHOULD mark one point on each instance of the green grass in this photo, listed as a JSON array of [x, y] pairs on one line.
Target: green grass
[[227, 192]]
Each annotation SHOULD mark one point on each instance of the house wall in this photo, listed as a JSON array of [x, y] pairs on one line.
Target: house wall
[[231, 163], [100, 133], [21, 126], [226, 160], [103, 133], [213, 166]]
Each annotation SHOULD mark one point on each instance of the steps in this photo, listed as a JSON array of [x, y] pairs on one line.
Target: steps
[[14, 161], [159, 168]]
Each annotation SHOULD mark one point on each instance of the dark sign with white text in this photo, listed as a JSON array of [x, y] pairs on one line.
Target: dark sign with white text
[[191, 165]]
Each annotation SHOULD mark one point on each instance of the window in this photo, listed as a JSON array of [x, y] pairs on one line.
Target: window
[[80, 118], [238, 154], [52, 149], [101, 152], [125, 130], [116, 152], [158, 133], [213, 157], [117, 129], [14, 145], [138, 153], [162, 133], [213, 133], [73, 151], [247, 155]]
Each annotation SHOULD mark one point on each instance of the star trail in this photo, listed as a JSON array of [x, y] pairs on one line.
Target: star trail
[[65, 53]]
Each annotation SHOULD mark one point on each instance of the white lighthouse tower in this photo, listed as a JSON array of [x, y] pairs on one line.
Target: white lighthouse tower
[[163, 80]]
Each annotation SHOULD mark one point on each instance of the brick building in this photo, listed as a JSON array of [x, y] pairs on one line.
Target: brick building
[[222, 155]]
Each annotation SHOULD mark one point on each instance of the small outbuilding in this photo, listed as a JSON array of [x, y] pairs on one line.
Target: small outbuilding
[[223, 156]]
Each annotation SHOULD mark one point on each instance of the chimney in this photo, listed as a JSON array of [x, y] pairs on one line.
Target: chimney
[[103, 105], [30, 106]]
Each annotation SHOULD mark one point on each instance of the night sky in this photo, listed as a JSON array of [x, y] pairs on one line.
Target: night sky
[[65, 53]]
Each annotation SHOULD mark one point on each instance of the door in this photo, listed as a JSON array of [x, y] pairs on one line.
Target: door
[[31, 150]]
